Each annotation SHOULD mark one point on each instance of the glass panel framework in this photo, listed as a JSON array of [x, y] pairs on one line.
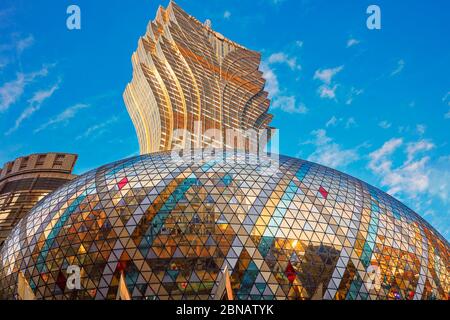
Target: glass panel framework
[[305, 232]]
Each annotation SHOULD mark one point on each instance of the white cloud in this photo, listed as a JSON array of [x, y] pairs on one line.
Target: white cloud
[[22, 44], [17, 44], [387, 149], [13, 90], [351, 122], [40, 96], [272, 86], [421, 128], [326, 75], [63, 117], [446, 99], [288, 104], [327, 92], [227, 14], [447, 95], [280, 100], [329, 153], [299, 43], [353, 93], [414, 148], [447, 115], [283, 58], [440, 179], [34, 104], [410, 177], [352, 42], [404, 129], [408, 171], [332, 122], [320, 137], [400, 66], [97, 129], [384, 124]]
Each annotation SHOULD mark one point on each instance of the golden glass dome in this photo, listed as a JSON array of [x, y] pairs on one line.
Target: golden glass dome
[[170, 228]]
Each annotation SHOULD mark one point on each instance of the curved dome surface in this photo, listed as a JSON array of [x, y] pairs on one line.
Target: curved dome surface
[[170, 228]]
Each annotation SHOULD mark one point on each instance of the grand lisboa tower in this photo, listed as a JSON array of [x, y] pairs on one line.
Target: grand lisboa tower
[[223, 224]]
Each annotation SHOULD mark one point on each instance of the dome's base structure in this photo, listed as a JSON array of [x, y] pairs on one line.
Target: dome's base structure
[[155, 228]]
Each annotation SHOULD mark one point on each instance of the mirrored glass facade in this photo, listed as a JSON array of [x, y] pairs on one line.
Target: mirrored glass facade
[[303, 232], [187, 77]]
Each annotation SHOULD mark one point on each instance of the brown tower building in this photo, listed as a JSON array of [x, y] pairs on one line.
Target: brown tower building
[[187, 76], [26, 180]]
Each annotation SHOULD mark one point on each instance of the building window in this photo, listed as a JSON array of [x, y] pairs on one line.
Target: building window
[[40, 160], [10, 167], [58, 160], [24, 163]]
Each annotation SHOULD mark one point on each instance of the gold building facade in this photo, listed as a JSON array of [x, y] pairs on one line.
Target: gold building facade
[[26, 180], [188, 77]]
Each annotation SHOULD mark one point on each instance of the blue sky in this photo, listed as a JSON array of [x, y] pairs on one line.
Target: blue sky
[[372, 103]]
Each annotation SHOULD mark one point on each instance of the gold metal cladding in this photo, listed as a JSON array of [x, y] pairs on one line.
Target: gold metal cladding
[[184, 72]]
